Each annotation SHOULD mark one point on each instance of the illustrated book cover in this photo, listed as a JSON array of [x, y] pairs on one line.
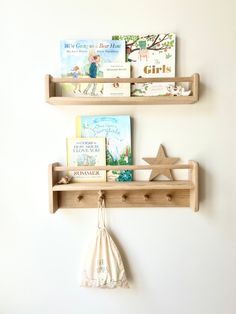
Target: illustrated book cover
[[114, 70], [150, 56], [86, 152], [85, 59], [117, 131]]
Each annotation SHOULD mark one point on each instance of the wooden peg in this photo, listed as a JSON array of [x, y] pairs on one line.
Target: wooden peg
[[146, 197], [80, 197], [124, 198], [169, 197]]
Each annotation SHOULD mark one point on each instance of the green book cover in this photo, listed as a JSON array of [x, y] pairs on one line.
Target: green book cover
[[117, 131]]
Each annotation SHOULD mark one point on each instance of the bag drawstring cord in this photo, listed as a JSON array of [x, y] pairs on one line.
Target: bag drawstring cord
[[101, 209]]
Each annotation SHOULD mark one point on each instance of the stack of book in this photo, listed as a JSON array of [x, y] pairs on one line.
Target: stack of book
[[124, 56], [100, 141]]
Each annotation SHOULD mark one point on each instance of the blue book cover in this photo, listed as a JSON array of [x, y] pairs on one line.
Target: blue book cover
[[86, 59], [117, 131]]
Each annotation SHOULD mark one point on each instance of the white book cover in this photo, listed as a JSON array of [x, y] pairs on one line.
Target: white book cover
[[150, 56], [86, 152], [116, 70]]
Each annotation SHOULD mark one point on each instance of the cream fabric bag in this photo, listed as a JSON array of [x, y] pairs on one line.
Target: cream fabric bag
[[104, 267]]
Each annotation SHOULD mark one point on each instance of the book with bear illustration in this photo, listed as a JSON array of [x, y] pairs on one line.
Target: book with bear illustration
[[85, 59]]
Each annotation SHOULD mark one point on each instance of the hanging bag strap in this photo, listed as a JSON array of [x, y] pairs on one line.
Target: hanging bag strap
[[101, 210]]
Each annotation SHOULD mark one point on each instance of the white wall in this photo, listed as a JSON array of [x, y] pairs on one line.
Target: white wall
[[179, 262]]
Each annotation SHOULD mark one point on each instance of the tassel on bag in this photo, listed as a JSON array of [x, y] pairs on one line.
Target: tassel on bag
[[104, 267]]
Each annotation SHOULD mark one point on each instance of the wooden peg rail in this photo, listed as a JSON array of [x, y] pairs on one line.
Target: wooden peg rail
[[54, 99], [177, 193]]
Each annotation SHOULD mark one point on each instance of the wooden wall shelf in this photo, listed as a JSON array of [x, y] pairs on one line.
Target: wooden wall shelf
[[53, 99], [177, 193]]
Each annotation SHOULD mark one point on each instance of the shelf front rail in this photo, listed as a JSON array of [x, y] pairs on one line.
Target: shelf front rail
[[52, 98]]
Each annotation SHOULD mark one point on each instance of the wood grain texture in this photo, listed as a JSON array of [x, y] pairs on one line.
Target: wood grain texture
[[53, 196], [193, 177], [161, 159], [122, 80], [124, 167], [128, 186], [177, 193], [116, 199], [195, 86], [49, 87], [154, 100]]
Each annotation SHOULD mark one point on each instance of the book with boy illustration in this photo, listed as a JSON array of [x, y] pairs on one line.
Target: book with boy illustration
[[150, 56], [86, 152], [117, 131], [85, 59]]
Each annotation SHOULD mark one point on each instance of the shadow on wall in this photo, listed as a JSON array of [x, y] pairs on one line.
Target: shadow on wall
[[206, 192]]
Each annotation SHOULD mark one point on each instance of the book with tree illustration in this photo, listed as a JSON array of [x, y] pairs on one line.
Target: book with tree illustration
[[85, 59], [117, 131], [86, 152], [150, 56]]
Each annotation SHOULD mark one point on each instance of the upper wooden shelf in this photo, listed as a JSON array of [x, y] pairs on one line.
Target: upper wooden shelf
[[53, 99]]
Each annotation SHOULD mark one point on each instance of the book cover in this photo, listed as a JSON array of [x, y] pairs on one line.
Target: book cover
[[150, 56], [86, 152], [85, 59], [120, 70], [117, 131]]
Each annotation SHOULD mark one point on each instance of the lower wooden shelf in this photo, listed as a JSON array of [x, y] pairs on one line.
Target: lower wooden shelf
[[177, 193]]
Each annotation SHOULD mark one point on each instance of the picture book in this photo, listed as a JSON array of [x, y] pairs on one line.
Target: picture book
[[86, 152], [114, 70], [150, 56], [117, 131], [85, 59]]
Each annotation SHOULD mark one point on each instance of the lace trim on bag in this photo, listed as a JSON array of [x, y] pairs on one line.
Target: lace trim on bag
[[99, 283]]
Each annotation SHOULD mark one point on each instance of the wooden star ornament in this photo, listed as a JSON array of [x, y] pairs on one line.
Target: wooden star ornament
[[161, 159]]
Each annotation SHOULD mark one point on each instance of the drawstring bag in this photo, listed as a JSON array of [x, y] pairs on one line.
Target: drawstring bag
[[104, 267]]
